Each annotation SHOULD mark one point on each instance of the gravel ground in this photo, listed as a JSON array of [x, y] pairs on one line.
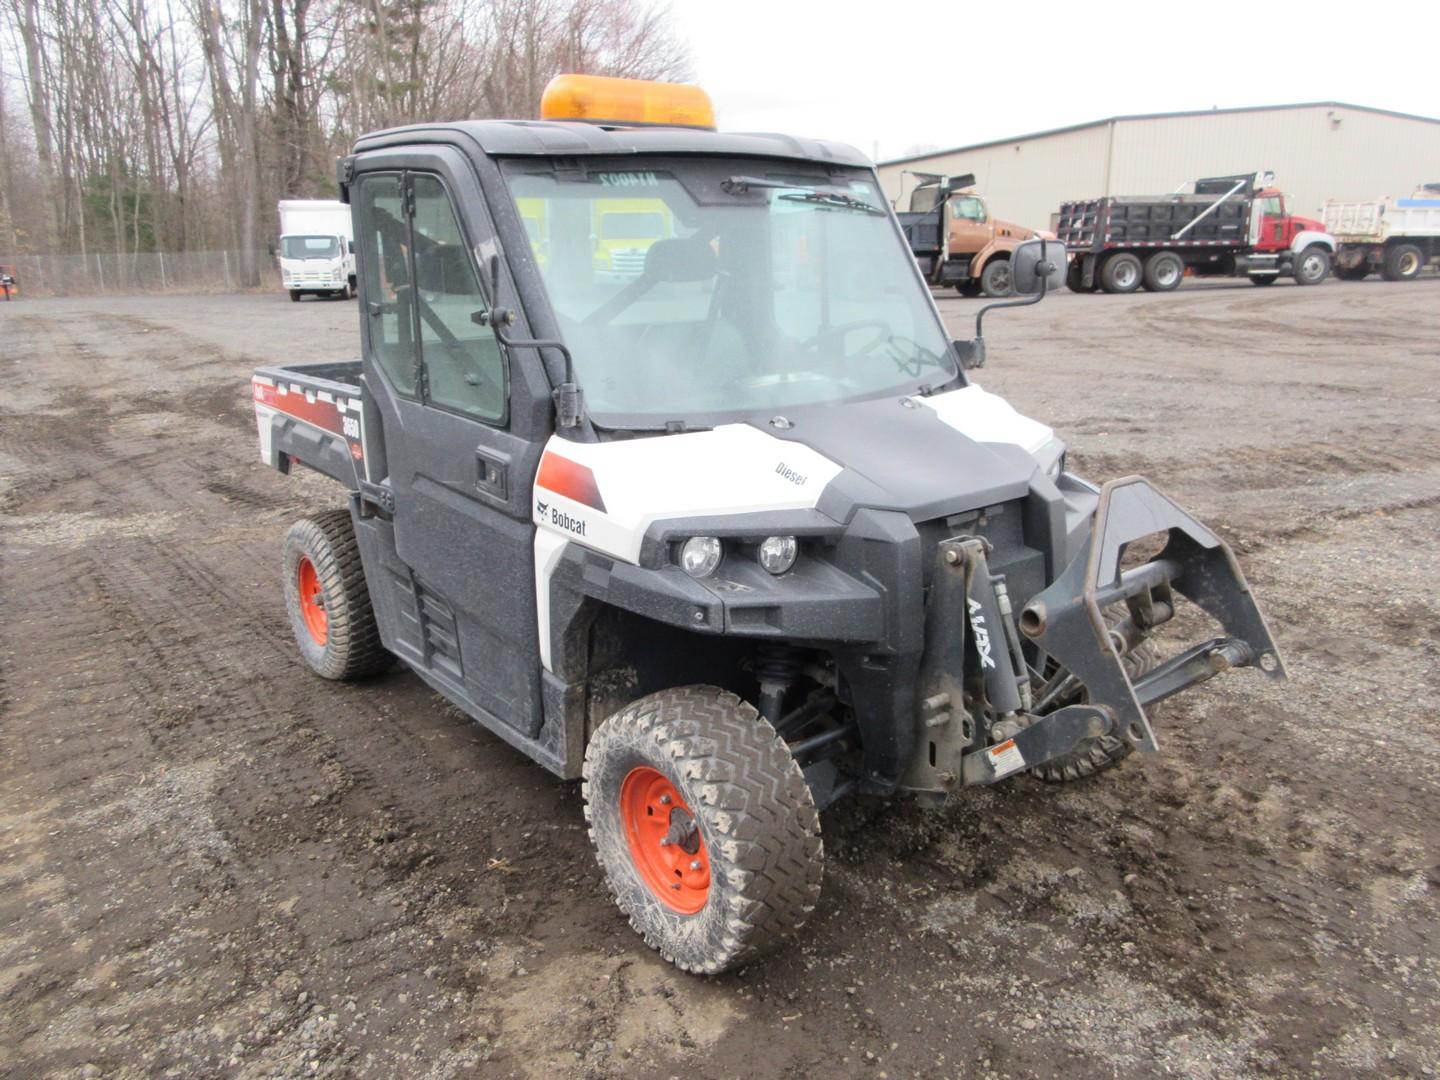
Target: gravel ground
[[214, 864]]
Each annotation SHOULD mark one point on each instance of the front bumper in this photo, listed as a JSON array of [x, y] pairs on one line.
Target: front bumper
[[1067, 622]]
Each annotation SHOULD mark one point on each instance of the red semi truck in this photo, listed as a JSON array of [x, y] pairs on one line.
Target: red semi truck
[[1227, 226]]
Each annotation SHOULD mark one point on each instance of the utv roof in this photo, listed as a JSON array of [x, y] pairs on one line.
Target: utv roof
[[560, 138]]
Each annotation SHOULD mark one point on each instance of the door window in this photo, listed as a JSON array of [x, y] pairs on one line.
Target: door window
[[384, 237], [967, 208], [464, 367]]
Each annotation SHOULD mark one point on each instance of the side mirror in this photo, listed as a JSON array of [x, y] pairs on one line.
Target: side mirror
[[971, 354], [1035, 261]]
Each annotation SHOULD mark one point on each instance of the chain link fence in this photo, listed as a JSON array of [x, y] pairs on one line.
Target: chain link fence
[[88, 275]]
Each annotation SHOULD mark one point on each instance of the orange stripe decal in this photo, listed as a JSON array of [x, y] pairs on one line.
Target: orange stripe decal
[[570, 479]]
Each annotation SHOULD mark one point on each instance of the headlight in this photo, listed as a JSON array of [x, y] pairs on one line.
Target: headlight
[[700, 555], [777, 553]]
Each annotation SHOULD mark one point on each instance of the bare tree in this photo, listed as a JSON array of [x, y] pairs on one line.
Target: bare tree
[[162, 124]]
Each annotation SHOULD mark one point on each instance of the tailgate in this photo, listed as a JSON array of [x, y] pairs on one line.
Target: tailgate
[[1357, 222]]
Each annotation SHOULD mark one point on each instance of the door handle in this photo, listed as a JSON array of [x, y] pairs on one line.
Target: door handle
[[492, 472]]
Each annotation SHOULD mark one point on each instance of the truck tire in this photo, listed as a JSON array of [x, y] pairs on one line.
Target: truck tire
[[1353, 273], [1264, 279], [1164, 271], [1313, 265], [703, 825], [970, 288], [295, 295], [1121, 273], [1105, 752], [1403, 262], [1075, 277], [328, 600], [995, 278]]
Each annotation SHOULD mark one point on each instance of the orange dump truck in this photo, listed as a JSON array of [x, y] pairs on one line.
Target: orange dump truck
[[955, 239]]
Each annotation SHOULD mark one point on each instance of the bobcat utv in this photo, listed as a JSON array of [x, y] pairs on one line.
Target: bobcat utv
[[661, 466]]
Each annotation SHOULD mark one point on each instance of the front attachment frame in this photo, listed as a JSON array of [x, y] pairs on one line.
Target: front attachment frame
[[1067, 621]]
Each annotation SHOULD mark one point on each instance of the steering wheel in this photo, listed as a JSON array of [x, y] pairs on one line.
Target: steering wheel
[[879, 325], [915, 365]]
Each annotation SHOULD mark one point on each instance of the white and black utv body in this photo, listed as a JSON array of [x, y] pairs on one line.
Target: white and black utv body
[[711, 514]]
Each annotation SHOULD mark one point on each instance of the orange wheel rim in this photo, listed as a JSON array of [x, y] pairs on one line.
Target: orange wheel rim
[[665, 842], [312, 601]]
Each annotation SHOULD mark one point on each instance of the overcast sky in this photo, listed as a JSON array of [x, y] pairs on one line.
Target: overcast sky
[[920, 73]]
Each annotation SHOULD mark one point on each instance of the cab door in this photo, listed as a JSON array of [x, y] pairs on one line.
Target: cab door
[[1270, 206], [968, 226], [458, 452]]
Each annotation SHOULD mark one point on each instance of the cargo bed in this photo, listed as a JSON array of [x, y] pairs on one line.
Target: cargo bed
[[312, 414]]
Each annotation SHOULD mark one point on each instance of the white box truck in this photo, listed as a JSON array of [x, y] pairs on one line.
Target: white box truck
[[1397, 237], [317, 250]]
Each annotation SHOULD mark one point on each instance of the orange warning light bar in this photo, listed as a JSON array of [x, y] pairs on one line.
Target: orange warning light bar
[[599, 99]]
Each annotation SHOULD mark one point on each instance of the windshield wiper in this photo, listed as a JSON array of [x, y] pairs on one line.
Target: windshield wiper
[[739, 185], [833, 198]]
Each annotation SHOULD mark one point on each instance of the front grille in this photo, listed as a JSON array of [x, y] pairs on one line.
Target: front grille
[[628, 261]]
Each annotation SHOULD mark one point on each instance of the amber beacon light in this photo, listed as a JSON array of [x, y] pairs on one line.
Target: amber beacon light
[[598, 99]]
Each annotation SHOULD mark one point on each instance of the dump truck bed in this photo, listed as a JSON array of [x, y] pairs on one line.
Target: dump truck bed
[[312, 414], [1374, 221], [1155, 221]]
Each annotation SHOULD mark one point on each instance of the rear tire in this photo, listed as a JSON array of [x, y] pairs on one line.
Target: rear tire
[[995, 278], [1313, 265], [700, 768], [1164, 271], [328, 600], [1353, 273], [1403, 262], [1121, 273]]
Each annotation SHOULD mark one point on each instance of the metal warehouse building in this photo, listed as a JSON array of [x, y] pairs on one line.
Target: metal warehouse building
[[1317, 151]]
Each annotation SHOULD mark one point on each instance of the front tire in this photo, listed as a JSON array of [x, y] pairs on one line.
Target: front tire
[[995, 278], [295, 295], [1403, 262], [1106, 751], [328, 600], [704, 827], [1313, 266]]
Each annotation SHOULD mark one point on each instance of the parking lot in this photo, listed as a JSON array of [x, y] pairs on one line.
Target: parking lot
[[213, 863]]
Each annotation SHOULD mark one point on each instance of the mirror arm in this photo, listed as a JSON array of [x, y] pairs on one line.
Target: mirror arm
[[1044, 269]]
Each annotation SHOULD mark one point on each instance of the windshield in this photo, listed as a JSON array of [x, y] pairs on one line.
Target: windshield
[[737, 288], [309, 247]]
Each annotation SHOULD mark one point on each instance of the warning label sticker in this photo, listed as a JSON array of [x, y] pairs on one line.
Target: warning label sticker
[[1006, 758]]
